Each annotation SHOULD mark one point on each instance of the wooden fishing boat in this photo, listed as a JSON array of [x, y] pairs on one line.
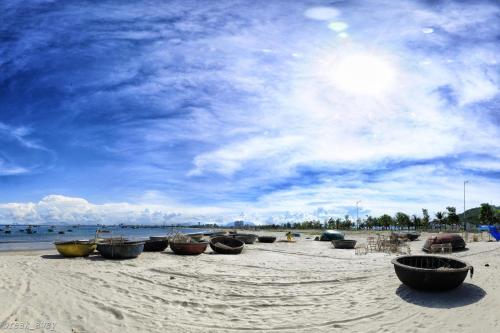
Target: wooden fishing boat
[[120, 250], [192, 247], [433, 273], [75, 248], [329, 235], [226, 245], [266, 239], [456, 241], [246, 238], [156, 244], [344, 243]]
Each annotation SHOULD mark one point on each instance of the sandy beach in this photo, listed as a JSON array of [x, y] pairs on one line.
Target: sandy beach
[[307, 286]]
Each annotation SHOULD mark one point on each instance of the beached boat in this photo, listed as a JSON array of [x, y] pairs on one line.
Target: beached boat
[[329, 235], [411, 236], [456, 241], [226, 245], [75, 248], [197, 236], [433, 273], [246, 238], [344, 243], [192, 247], [156, 244], [266, 239], [120, 250]]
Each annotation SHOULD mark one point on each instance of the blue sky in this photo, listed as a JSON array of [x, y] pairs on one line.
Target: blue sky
[[173, 111]]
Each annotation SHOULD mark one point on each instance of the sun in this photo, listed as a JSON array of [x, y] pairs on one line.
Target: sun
[[362, 74]]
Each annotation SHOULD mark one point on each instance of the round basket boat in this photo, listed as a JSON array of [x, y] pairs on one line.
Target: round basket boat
[[226, 245], [411, 236], [156, 244], [120, 250], [192, 248], [329, 235], [266, 239], [75, 248], [432, 273], [457, 242], [344, 243], [245, 238]]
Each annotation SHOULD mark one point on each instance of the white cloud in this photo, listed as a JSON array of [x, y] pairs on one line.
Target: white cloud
[[321, 13]]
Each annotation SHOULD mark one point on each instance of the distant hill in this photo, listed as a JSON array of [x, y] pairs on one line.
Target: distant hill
[[472, 215], [246, 223]]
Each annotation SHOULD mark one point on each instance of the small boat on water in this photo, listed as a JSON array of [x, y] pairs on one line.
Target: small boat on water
[[189, 247], [429, 272], [75, 248], [155, 244], [456, 241], [120, 249], [344, 243], [226, 245], [330, 235], [246, 238], [266, 239]]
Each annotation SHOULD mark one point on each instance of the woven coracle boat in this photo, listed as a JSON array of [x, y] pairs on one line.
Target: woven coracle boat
[[456, 241], [156, 244], [192, 247], [329, 235], [120, 249], [344, 243], [246, 238], [266, 239], [75, 248], [411, 236], [432, 273], [226, 245]]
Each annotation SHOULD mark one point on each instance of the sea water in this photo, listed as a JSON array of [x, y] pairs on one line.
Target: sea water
[[42, 238]]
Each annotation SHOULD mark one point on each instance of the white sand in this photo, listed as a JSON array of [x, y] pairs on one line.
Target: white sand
[[303, 287]]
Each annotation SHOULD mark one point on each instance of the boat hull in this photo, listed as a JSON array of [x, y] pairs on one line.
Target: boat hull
[[246, 238], [330, 236], [156, 244], [124, 250], [189, 248], [75, 248], [456, 241], [226, 245], [267, 239], [431, 273], [344, 243]]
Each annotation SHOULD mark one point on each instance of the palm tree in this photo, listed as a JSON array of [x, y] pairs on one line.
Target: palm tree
[[440, 216]]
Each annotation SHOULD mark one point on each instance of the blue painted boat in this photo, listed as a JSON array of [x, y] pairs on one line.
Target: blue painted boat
[[120, 250]]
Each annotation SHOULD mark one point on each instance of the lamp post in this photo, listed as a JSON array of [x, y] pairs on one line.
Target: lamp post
[[465, 221], [357, 210]]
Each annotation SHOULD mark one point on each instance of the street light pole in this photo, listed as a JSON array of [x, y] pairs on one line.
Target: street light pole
[[357, 210], [465, 221]]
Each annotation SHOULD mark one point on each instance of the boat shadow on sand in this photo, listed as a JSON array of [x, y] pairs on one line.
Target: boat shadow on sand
[[93, 257], [464, 295]]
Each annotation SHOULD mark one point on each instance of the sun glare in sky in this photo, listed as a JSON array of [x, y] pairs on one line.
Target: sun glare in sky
[[363, 74]]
